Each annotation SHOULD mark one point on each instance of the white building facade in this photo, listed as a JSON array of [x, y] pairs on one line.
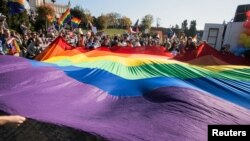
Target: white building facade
[[59, 8]]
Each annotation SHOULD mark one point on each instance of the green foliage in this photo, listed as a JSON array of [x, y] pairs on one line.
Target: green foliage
[[125, 22], [184, 27], [112, 32], [177, 26], [113, 19], [102, 22], [83, 14], [3, 7], [192, 29], [147, 21], [15, 20], [77, 12], [42, 19]]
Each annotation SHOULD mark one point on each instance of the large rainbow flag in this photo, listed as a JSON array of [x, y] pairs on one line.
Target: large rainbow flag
[[16, 6], [126, 94]]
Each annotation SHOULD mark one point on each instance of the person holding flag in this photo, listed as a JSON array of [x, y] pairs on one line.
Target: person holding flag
[[10, 43], [137, 26], [93, 28], [130, 30]]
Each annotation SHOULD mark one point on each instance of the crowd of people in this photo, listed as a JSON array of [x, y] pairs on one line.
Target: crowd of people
[[30, 44], [175, 44], [27, 45]]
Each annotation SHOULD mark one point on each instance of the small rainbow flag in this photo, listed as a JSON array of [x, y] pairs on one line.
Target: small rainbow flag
[[16, 6], [65, 18], [13, 46], [75, 22]]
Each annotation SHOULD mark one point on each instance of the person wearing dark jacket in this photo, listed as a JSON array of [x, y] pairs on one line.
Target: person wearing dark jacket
[[190, 46]]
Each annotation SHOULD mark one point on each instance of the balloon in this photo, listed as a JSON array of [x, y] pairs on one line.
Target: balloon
[[247, 42], [247, 31], [242, 41], [248, 13], [243, 36], [237, 51], [241, 50], [247, 24]]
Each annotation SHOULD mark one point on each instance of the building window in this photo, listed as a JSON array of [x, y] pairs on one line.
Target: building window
[[212, 36]]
